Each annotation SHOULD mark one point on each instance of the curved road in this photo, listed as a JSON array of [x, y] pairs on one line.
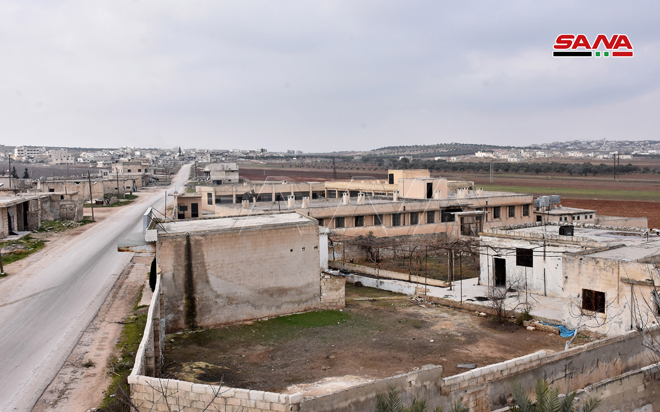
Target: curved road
[[43, 314]]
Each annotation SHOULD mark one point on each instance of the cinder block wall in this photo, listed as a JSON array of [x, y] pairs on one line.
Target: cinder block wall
[[333, 291], [224, 277]]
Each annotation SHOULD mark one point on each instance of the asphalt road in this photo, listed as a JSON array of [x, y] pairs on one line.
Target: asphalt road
[[44, 311]]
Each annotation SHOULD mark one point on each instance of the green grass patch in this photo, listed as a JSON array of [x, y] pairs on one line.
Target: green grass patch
[[25, 246], [57, 226], [644, 195], [121, 366], [353, 292], [270, 330]]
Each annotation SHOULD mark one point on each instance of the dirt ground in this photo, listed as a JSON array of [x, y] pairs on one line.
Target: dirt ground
[[628, 208], [378, 334]]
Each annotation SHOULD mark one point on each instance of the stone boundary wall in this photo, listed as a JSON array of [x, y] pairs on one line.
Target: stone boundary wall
[[489, 387], [638, 222], [333, 291], [421, 384], [170, 394], [388, 274]]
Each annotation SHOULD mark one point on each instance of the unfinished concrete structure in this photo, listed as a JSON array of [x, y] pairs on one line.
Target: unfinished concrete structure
[[24, 212], [220, 271], [606, 276], [221, 173]]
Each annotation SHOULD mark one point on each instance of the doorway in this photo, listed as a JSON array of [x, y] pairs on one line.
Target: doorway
[[500, 272]]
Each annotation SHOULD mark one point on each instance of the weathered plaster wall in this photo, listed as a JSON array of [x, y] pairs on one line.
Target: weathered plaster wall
[[215, 278], [545, 277], [627, 304]]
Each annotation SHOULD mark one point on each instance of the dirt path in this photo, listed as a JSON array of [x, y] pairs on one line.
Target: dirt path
[[80, 384]]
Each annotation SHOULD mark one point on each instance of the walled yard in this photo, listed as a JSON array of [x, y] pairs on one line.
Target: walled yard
[[378, 334]]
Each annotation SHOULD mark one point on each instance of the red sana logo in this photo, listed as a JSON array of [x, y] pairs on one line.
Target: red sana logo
[[579, 46]]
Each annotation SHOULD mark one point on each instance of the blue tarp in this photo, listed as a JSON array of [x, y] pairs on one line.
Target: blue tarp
[[564, 332]]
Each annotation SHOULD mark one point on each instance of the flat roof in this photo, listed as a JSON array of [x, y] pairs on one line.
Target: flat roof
[[631, 244], [6, 201], [565, 211], [225, 224]]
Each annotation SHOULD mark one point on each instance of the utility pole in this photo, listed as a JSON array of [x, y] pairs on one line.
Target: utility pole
[[117, 170], [9, 157], [91, 200]]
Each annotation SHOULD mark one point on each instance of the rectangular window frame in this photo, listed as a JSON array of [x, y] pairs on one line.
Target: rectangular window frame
[[525, 257], [340, 222], [378, 220], [525, 211], [359, 221], [593, 300], [414, 218], [430, 216], [497, 212], [511, 211], [396, 219]]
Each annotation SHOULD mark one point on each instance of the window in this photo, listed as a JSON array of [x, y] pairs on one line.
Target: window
[[512, 211], [525, 257], [447, 215], [591, 216], [525, 210], [396, 219], [414, 218], [51, 190], [129, 170], [378, 220], [339, 222], [320, 222], [359, 221], [139, 170], [182, 208], [497, 212], [593, 300], [209, 198], [430, 216]]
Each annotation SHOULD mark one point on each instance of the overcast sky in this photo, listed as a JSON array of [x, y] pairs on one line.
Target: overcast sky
[[321, 76]]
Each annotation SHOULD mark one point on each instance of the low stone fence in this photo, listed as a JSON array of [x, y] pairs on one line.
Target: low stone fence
[[421, 384], [604, 362], [387, 274]]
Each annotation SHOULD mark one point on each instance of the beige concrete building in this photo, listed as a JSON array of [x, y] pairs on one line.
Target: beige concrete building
[[459, 213], [221, 173], [604, 275]]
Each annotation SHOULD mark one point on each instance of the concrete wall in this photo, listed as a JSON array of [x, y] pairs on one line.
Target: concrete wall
[[422, 384], [387, 274], [640, 222], [544, 278], [628, 304], [215, 278]]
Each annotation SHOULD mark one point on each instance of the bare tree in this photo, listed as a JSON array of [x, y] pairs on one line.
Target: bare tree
[[505, 300]]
